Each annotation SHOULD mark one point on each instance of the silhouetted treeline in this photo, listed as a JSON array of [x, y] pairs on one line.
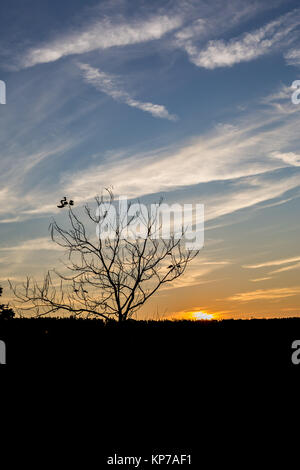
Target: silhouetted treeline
[[173, 345]]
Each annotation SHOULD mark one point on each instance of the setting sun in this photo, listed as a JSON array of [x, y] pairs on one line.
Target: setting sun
[[203, 316]]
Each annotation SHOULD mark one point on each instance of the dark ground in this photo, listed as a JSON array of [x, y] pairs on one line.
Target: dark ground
[[231, 344], [210, 389]]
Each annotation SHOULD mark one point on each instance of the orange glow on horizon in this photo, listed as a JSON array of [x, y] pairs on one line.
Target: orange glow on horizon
[[202, 316], [194, 315]]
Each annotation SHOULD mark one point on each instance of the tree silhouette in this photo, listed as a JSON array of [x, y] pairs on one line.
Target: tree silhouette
[[6, 313], [111, 275]]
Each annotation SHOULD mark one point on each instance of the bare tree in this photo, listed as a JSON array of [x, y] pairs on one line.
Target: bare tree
[[110, 275]]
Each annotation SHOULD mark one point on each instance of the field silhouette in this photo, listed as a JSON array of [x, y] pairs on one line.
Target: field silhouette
[[159, 345], [155, 387]]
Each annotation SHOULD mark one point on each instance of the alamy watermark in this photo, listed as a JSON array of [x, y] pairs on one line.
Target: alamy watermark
[[2, 92], [2, 352], [156, 221], [296, 354], [295, 96]]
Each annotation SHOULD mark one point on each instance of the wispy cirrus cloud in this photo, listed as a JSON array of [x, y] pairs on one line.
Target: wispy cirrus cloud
[[246, 193], [35, 244], [292, 57], [248, 46], [186, 20], [241, 154], [107, 83], [101, 34], [287, 264], [286, 268], [277, 262], [266, 294], [226, 153], [290, 158]]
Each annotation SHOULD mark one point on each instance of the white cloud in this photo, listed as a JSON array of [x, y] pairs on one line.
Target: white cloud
[[288, 264], [224, 154], [195, 29], [246, 47], [266, 294], [101, 35], [283, 93], [240, 153], [290, 158], [36, 244], [280, 101], [248, 193], [14, 203], [196, 18], [107, 83], [292, 57], [10, 220], [278, 262], [246, 155], [286, 268]]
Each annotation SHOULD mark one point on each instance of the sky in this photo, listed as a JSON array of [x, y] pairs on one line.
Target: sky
[[185, 99]]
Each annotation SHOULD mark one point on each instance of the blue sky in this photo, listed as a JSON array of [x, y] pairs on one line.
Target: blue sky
[[186, 99]]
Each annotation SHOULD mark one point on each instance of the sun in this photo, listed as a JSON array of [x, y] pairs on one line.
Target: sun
[[203, 316]]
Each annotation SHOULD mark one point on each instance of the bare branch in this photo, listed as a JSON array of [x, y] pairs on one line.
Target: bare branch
[[108, 276]]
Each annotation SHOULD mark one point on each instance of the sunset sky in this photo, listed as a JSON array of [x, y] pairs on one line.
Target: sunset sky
[[185, 99]]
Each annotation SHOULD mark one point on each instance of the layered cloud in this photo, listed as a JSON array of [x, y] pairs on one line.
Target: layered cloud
[[61, 137], [292, 57], [247, 154], [190, 24], [277, 262], [286, 268], [107, 84], [35, 244], [266, 294], [244, 48], [228, 152], [99, 35], [283, 265]]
